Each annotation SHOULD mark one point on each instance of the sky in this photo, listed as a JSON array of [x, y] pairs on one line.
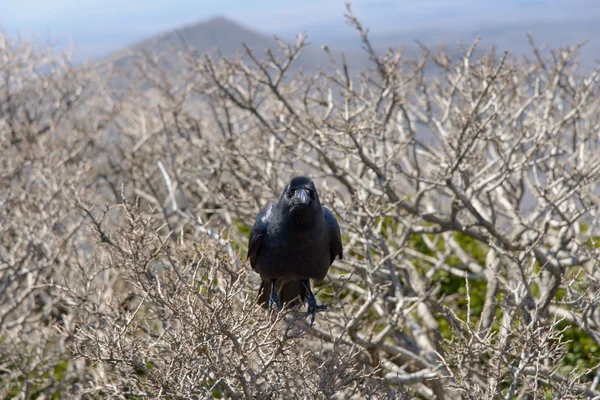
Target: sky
[[96, 27]]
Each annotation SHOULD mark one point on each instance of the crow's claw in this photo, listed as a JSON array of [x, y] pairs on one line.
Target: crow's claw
[[313, 307], [313, 310], [273, 299]]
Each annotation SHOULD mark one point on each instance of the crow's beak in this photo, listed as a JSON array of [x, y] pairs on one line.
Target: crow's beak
[[301, 196]]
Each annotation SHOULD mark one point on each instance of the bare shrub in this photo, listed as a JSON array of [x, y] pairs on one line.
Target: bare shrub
[[177, 320], [466, 188]]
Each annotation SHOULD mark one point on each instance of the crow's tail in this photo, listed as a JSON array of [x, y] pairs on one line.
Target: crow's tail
[[290, 293]]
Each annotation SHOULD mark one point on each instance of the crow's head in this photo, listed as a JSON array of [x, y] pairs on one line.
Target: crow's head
[[300, 200]]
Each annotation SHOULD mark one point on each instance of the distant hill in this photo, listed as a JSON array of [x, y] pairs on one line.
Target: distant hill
[[227, 36], [208, 36], [511, 37]]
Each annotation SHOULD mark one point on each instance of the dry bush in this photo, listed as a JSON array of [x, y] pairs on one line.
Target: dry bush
[[467, 190], [177, 320]]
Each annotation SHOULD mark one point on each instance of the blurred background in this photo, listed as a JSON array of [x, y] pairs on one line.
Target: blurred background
[[96, 29]]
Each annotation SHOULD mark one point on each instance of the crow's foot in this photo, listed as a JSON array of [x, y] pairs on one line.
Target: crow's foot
[[273, 299], [313, 307]]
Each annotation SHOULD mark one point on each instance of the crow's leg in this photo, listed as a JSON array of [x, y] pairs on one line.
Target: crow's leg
[[313, 308], [273, 299]]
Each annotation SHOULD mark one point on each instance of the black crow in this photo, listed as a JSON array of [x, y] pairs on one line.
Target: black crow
[[291, 242]]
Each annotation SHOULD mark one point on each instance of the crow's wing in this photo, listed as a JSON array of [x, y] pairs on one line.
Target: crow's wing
[[258, 232], [335, 243]]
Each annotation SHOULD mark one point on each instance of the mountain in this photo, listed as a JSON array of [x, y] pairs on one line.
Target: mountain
[[505, 36], [227, 36], [208, 36]]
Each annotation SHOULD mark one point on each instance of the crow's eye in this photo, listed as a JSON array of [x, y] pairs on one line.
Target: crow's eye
[[289, 194]]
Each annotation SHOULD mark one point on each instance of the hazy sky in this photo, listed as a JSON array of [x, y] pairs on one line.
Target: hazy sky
[[99, 26]]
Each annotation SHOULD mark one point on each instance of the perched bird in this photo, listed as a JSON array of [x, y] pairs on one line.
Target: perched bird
[[291, 242]]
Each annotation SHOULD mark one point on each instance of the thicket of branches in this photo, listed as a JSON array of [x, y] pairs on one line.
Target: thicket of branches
[[467, 190]]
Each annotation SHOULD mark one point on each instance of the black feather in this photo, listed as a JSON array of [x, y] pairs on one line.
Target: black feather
[[292, 242]]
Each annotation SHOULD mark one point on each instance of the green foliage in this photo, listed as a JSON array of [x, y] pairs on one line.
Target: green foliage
[[325, 292], [474, 248], [242, 228], [582, 352], [241, 247], [593, 243], [417, 243], [60, 370], [454, 287], [49, 380]]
